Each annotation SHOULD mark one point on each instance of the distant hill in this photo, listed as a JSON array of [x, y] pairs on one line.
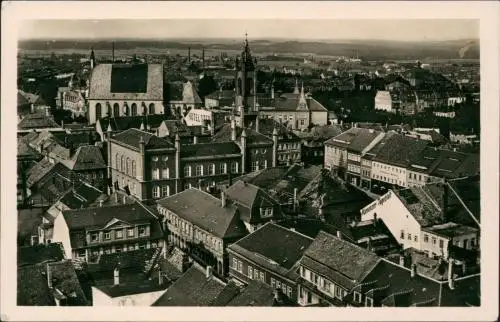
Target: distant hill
[[368, 49]]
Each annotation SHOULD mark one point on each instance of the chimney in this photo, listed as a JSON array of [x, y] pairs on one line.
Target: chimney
[[62, 124], [160, 278], [195, 139], [257, 124], [124, 199], [116, 275], [451, 281], [116, 197], [233, 129], [208, 272], [413, 270], [32, 108], [223, 199], [272, 91], [101, 202], [339, 234], [49, 276], [401, 260]]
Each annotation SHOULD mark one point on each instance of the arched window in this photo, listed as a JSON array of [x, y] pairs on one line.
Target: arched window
[[187, 171], [109, 112], [152, 108], [117, 160], [211, 169], [199, 170], [133, 168], [125, 109], [98, 111], [128, 166], [134, 109], [122, 168], [234, 167], [223, 168], [116, 110]]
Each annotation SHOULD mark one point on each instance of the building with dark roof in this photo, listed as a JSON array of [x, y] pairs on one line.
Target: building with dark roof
[[269, 255], [38, 120], [181, 100], [256, 206], [49, 284], [46, 182], [125, 89], [150, 123], [89, 232], [330, 268], [259, 294], [31, 255], [202, 225]]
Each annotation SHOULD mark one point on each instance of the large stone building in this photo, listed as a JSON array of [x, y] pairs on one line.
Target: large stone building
[[125, 89]]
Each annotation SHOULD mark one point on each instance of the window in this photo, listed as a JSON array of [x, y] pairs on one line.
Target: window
[[117, 161], [223, 168], [133, 168], [94, 237], [122, 166], [234, 167], [98, 111], [369, 302], [278, 284], [134, 109], [402, 234], [187, 171], [262, 277], [250, 271], [130, 232], [165, 191], [211, 169], [338, 292], [107, 235], [116, 110], [156, 174], [434, 240], [151, 108], [264, 164], [165, 173], [142, 231], [273, 282], [426, 238], [81, 253], [409, 236], [235, 263], [441, 243], [357, 297], [118, 234], [240, 266], [255, 166], [156, 192], [128, 166], [302, 122], [289, 291], [199, 170], [326, 285], [415, 238], [255, 274]]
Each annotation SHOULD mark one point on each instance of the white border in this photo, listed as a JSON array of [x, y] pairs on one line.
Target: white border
[[488, 13]]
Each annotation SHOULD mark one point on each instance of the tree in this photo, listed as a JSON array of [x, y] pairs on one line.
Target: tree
[[206, 86]]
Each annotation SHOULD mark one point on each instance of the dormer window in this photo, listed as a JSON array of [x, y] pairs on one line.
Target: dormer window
[[369, 302], [94, 237], [266, 212]]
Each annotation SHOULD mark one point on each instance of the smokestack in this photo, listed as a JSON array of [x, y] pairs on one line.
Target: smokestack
[[413, 270], [223, 199], [451, 281], [116, 276], [113, 52], [208, 272]]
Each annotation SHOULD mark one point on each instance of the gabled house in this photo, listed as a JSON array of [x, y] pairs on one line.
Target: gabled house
[[256, 207], [269, 255], [330, 269]]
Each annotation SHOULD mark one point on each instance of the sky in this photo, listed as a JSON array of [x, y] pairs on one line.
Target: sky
[[398, 30]]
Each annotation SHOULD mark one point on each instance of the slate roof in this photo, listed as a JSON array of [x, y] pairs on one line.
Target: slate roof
[[28, 98], [86, 157], [355, 139], [400, 150], [274, 247], [210, 150], [24, 151], [141, 286], [191, 289], [42, 169], [321, 133], [134, 259], [76, 139], [30, 255], [132, 137], [267, 126], [189, 94], [176, 126], [256, 293], [339, 260], [37, 121], [394, 287], [81, 196], [115, 82], [249, 199], [253, 137], [205, 211], [451, 230], [421, 205], [290, 103], [33, 290], [123, 123]]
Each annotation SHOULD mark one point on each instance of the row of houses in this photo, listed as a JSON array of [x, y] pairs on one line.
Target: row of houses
[[374, 159]]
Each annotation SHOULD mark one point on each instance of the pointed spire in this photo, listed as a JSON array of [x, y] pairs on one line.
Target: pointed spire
[[109, 127], [275, 131], [243, 133], [296, 89], [302, 98]]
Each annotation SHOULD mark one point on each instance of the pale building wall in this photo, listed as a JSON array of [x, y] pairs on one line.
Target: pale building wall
[[61, 234]]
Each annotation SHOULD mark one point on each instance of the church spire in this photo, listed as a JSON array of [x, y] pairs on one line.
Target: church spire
[[302, 98], [92, 58]]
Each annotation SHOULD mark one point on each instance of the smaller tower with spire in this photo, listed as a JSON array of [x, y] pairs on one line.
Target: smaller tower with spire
[[92, 58]]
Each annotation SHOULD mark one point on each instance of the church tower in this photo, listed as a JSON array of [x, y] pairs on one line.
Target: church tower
[[92, 58], [246, 81]]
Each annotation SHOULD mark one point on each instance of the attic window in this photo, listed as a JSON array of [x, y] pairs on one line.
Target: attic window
[[357, 297]]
